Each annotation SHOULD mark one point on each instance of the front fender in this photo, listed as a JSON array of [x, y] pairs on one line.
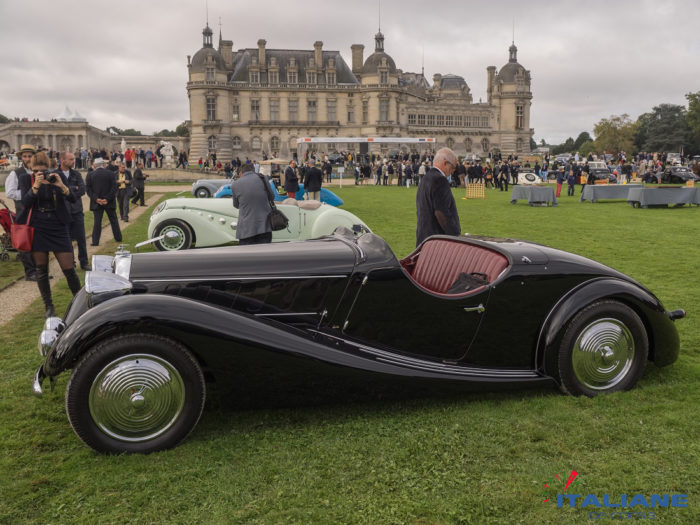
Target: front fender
[[206, 225], [664, 343]]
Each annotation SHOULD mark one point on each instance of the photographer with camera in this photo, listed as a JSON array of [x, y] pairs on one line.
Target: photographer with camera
[[45, 196]]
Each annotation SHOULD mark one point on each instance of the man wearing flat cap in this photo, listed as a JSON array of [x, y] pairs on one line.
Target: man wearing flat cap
[[25, 153], [101, 186]]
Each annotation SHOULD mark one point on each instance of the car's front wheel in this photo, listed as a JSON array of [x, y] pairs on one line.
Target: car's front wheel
[[177, 235], [135, 393], [604, 349], [202, 193]]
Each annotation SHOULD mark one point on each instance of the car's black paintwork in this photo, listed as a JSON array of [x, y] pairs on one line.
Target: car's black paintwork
[[678, 175], [346, 302]]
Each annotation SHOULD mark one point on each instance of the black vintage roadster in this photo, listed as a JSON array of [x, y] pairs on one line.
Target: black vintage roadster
[[149, 330]]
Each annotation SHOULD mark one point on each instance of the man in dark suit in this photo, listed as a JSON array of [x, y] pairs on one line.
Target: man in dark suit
[[291, 181], [252, 199], [101, 187], [77, 224], [139, 185], [313, 181], [435, 205]]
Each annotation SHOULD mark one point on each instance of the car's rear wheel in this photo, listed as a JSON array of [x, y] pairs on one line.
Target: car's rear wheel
[[178, 235], [604, 349], [202, 193], [135, 393]]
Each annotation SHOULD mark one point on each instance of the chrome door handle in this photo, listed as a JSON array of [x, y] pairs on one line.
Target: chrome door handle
[[479, 309]]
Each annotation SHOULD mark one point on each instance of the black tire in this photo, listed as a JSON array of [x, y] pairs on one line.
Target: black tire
[[136, 393], [202, 193], [182, 242], [5, 256], [604, 349]]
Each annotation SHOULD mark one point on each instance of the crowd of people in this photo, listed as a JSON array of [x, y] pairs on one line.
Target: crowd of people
[[131, 157], [47, 192]]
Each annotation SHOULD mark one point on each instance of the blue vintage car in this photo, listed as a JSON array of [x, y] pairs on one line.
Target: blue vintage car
[[327, 196]]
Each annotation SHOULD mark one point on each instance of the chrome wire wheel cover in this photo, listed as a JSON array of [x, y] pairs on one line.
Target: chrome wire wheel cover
[[136, 397], [174, 243], [603, 354]]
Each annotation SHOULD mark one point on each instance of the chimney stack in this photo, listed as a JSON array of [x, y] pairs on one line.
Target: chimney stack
[[261, 52], [357, 58], [490, 76], [318, 53]]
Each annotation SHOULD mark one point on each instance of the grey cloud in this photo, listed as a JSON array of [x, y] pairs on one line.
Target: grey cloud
[[124, 63]]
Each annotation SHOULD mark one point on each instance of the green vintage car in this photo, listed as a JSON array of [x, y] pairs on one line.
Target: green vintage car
[[185, 223]]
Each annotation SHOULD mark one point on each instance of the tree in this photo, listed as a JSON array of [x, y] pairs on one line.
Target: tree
[[586, 148], [566, 147], [615, 134], [114, 130], [692, 117], [583, 137], [543, 143], [182, 130], [164, 133], [533, 144], [664, 129], [4, 119]]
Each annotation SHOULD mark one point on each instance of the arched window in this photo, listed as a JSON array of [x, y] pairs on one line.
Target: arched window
[[450, 142], [236, 142], [468, 144], [275, 143], [256, 143], [485, 144], [212, 142]]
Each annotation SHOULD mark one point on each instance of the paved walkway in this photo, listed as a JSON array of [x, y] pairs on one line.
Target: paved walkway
[[17, 296]]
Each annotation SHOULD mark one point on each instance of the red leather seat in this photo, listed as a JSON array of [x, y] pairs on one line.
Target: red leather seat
[[438, 263]]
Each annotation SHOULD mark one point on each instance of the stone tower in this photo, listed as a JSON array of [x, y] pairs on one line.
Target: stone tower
[[509, 92]]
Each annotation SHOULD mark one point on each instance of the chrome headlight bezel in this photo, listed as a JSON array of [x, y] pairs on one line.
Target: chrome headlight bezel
[[159, 208], [52, 329]]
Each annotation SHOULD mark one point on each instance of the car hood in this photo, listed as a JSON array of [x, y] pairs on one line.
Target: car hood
[[319, 257]]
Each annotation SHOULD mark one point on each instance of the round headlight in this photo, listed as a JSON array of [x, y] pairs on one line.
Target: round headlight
[[159, 208]]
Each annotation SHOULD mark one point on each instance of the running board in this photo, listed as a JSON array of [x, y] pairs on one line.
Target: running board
[[460, 371]]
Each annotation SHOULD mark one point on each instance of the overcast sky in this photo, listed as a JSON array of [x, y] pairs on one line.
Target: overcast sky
[[123, 62]]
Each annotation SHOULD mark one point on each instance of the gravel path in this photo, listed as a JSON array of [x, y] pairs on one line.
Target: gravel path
[[17, 296]]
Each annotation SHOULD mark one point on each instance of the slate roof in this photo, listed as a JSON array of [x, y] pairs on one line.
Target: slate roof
[[243, 58]]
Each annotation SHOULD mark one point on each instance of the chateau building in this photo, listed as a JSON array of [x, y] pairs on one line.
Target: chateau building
[[251, 101], [70, 131]]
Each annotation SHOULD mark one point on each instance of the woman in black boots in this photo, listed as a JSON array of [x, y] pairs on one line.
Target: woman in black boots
[[46, 195]]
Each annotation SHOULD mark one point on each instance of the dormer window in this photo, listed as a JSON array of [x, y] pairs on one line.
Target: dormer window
[[310, 77], [292, 77], [330, 78], [274, 77], [209, 74], [383, 77], [254, 77]]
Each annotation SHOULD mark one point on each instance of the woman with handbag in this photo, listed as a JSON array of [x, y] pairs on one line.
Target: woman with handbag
[[45, 197]]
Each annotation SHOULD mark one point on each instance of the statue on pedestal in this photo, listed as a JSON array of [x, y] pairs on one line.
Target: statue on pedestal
[[167, 152]]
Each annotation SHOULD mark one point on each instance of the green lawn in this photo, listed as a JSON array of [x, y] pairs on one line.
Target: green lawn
[[464, 458]]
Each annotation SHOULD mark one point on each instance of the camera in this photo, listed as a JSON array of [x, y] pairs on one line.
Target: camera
[[52, 178]]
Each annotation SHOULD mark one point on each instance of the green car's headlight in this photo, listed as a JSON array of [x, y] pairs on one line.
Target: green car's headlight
[[159, 208]]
